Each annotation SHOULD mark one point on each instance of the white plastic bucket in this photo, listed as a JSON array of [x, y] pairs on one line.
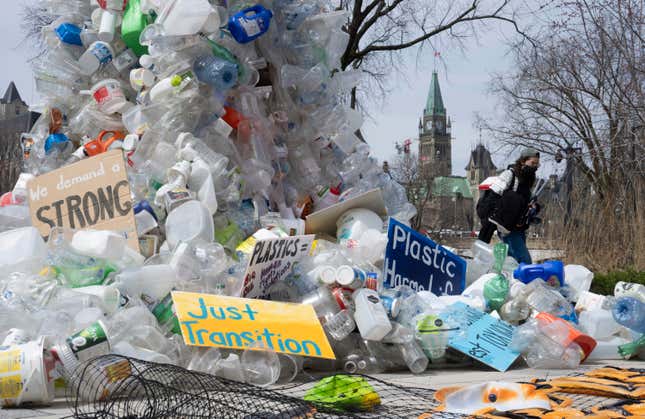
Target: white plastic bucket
[[108, 96], [25, 374]]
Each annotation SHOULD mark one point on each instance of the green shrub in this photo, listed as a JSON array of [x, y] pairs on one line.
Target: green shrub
[[604, 283]]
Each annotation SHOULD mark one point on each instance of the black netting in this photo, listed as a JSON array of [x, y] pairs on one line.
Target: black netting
[[118, 387], [113, 386]]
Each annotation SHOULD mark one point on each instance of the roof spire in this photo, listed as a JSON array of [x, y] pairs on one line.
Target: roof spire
[[434, 104], [11, 95]]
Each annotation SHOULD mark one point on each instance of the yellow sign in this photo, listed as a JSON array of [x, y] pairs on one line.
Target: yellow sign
[[93, 193], [237, 323]]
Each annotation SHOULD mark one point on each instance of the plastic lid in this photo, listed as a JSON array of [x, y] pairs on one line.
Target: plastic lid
[[327, 275], [345, 275]]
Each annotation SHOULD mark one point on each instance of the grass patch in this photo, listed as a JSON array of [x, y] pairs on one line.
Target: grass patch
[[604, 283]]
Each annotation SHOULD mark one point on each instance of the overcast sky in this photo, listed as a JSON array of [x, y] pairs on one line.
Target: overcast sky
[[463, 76]]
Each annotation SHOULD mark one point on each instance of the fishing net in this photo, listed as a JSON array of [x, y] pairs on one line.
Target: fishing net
[[114, 386]]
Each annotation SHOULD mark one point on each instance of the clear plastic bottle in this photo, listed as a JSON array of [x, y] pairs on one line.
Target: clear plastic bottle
[[216, 72], [630, 313]]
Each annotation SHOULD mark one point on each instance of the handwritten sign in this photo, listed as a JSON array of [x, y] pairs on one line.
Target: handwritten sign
[[237, 323], [93, 193], [485, 338], [413, 259], [271, 261]]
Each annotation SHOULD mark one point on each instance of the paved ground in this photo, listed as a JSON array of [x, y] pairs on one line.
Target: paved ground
[[430, 379]]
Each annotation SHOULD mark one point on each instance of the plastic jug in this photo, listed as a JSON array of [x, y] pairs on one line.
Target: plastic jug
[[134, 22], [551, 272], [250, 23], [370, 315], [189, 221], [187, 17]]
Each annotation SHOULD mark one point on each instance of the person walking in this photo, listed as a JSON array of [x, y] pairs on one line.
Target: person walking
[[504, 207]]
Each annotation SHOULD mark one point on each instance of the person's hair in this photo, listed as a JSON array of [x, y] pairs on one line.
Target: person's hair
[[517, 168]]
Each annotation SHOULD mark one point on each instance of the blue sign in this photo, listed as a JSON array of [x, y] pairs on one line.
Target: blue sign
[[482, 337], [413, 259]]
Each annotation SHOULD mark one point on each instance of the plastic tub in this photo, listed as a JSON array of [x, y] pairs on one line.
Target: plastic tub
[[25, 376]]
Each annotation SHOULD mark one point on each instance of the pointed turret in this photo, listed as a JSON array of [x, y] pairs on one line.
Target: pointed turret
[[434, 104], [11, 95]]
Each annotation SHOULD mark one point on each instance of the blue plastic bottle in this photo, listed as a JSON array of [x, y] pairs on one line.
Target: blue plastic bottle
[[69, 34], [551, 272], [250, 23], [630, 312], [219, 73]]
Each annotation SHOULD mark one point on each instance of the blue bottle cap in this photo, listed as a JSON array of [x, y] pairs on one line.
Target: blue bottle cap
[[69, 34]]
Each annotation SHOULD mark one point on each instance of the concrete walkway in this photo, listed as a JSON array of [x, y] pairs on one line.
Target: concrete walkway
[[433, 379]]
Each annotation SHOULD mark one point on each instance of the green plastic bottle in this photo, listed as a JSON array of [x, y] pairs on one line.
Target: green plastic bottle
[[496, 289], [134, 22]]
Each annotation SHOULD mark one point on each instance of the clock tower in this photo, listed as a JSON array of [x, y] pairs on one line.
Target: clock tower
[[435, 143]]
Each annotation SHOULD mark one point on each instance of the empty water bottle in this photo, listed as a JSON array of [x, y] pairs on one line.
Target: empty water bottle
[[216, 72], [630, 313]]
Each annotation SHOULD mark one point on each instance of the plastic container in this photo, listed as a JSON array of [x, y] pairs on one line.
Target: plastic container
[[187, 17], [630, 312], [22, 249], [370, 315], [98, 54], [189, 221], [99, 243], [353, 223], [216, 72], [26, 374], [69, 33], [108, 96], [551, 272], [599, 323], [348, 277], [578, 278], [250, 23], [628, 289]]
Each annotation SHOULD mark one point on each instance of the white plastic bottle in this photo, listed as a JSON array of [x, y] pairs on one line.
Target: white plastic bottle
[[370, 316]]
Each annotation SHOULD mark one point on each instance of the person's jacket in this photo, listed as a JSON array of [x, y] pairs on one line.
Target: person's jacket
[[506, 201]]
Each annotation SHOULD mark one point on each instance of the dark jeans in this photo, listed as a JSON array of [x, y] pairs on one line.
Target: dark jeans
[[487, 231], [517, 249]]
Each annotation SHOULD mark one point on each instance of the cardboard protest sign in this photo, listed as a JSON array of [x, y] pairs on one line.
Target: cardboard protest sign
[[486, 338], [91, 194], [237, 323], [324, 221], [271, 261], [413, 259]]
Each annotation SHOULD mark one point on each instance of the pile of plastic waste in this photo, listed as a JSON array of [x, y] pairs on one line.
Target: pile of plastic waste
[[233, 120]]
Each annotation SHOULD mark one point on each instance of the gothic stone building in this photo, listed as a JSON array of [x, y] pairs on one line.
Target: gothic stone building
[[15, 118], [452, 205]]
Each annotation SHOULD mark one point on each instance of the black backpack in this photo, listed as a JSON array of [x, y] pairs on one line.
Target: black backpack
[[488, 202]]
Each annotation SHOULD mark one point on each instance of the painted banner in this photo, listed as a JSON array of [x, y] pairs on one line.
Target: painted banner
[[238, 323], [271, 261], [413, 259], [91, 194]]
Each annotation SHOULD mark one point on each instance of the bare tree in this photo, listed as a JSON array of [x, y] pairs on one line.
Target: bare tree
[[380, 29], [579, 93], [405, 169]]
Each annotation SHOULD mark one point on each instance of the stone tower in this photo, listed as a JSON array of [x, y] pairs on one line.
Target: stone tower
[[480, 166], [435, 143], [15, 118]]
